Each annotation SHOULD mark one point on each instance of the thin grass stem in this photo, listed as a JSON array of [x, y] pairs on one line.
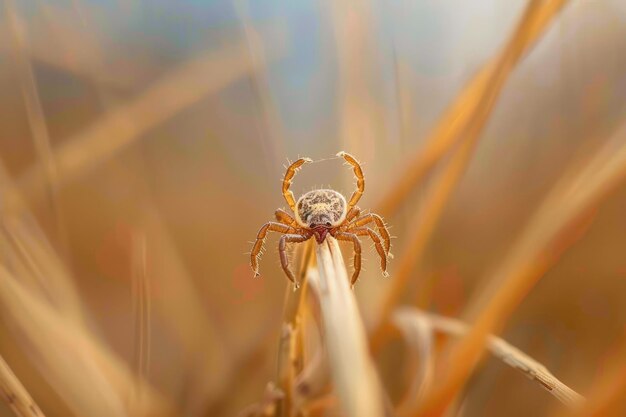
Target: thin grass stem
[[15, 395]]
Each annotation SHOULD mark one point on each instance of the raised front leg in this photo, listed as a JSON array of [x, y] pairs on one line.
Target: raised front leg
[[360, 180], [291, 172], [283, 217]]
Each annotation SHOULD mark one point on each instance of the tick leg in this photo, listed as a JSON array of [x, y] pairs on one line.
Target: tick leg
[[291, 172], [380, 225], [260, 238], [352, 214], [282, 246], [283, 217], [366, 231], [351, 237], [360, 180]]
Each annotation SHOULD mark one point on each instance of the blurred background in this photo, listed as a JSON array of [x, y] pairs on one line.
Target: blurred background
[[142, 144]]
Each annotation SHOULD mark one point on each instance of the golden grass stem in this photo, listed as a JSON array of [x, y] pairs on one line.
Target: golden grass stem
[[421, 232], [36, 118], [273, 139], [27, 250], [409, 317], [476, 100], [473, 113], [89, 378], [552, 230], [141, 310], [15, 395], [130, 121], [418, 333], [351, 367]]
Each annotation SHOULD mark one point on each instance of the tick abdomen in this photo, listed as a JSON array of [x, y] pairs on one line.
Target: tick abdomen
[[319, 207]]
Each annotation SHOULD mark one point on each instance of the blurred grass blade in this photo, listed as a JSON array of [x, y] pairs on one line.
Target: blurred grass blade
[[510, 355], [141, 309], [421, 231], [351, 367], [36, 118], [27, 250], [607, 396], [556, 225], [15, 395], [418, 333], [91, 380], [130, 121], [466, 122], [476, 100]]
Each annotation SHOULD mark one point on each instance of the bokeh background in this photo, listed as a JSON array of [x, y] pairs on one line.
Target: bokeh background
[[148, 138]]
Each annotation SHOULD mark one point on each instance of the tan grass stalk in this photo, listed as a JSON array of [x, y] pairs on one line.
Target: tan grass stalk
[[206, 361], [421, 232], [28, 85], [419, 335], [15, 395], [408, 317], [313, 381], [554, 228], [466, 120], [69, 44], [34, 109], [127, 123], [477, 98], [606, 393], [274, 137], [359, 123], [141, 310], [351, 367], [26, 250], [89, 378], [607, 399]]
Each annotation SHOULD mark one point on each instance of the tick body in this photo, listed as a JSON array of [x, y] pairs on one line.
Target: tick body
[[324, 212]]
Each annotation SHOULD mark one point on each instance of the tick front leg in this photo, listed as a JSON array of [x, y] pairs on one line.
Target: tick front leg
[[283, 217], [291, 172], [260, 238], [282, 250], [351, 237], [358, 173], [352, 214]]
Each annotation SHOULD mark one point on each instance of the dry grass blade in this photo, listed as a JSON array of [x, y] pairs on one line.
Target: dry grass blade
[[312, 381], [141, 310], [422, 230], [122, 126], [418, 332], [351, 366], [34, 109], [473, 113], [555, 226], [86, 376], [510, 355], [474, 100], [271, 117], [15, 395], [607, 395], [27, 250]]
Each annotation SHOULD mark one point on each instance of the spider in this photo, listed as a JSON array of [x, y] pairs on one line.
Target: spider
[[320, 213]]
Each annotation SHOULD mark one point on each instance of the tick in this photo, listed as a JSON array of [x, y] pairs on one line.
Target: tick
[[320, 213]]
